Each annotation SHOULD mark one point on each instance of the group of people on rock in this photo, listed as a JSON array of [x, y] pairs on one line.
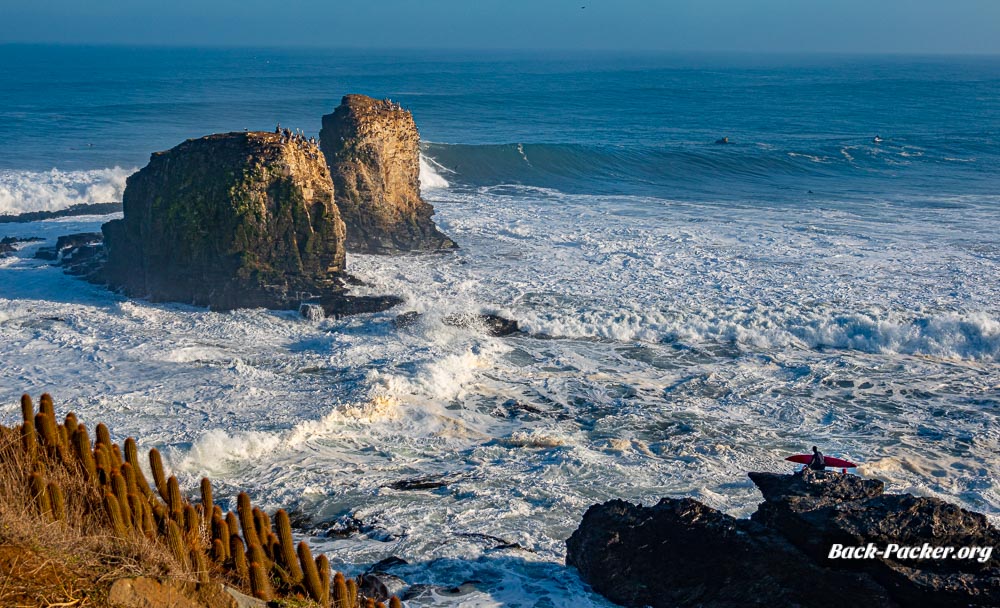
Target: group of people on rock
[[297, 137]]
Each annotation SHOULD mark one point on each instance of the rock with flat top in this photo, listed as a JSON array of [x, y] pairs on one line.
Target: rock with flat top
[[232, 220]]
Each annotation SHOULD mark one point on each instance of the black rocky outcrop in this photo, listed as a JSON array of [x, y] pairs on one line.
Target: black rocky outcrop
[[681, 552]]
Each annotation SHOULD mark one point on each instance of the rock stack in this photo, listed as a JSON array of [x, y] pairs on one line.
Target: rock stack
[[226, 221], [373, 150]]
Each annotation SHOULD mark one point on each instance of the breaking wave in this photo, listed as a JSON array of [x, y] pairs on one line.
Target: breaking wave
[[26, 191]]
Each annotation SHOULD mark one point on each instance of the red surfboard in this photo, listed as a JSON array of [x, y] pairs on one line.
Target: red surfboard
[[830, 461]]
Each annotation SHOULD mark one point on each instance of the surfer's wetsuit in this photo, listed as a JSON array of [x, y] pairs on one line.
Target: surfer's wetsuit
[[818, 463]]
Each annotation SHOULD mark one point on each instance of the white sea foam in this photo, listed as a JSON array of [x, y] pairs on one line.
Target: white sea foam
[[24, 191], [692, 344], [430, 178]]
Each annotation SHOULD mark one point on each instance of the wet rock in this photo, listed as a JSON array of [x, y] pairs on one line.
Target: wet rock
[[381, 585], [407, 319], [429, 482], [338, 306], [494, 325], [827, 485], [347, 525], [73, 210], [373, 150], [7, 243], [683, 553]]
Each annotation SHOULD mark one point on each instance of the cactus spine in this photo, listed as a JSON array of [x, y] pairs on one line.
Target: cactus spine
[[81, 442], [287, 545], [176, 544], [323, 567], [28, 440], [239, 558], [200, 565], [132, 458], [159, 478], [57, 500], [174, 500], [192, 522], [121, 495], [259, 582], [341, 597], [352, 591], [245, 510], [41, 495], [206, 495], [311, 580], [115, 514]]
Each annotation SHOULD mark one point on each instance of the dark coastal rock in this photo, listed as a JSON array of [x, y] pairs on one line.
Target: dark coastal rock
[[338, 306], [683, 553], [71, 211], [494, 325], [80, 254], [831, 486], [7, 243], [372, 147], [228, 221]]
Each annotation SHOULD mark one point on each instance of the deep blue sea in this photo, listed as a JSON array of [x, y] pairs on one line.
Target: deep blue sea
[[692, 310]]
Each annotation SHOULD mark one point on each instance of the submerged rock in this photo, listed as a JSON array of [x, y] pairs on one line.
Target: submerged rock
[[228, 221], [372, 147], [683, 553]]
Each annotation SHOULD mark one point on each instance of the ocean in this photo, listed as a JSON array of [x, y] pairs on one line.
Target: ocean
[[691, 311]]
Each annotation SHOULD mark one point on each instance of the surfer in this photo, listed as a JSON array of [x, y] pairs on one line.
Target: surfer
[[724, 140], [818, 463], [877, 139]]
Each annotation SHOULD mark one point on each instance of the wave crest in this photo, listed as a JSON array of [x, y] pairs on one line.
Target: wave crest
[[26, 191]]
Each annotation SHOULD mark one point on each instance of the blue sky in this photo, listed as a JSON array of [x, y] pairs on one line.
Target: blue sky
[[862, 26]]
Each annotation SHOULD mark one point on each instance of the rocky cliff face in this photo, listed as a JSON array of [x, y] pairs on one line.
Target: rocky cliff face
[[683, 553], [229, 220], [372, 147]]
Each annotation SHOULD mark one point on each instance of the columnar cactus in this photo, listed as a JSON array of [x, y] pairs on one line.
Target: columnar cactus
[[264, 559]]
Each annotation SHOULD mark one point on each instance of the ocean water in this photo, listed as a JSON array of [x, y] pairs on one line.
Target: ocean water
[[691, 311]]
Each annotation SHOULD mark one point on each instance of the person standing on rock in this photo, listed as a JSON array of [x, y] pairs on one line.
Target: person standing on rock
[[818, 463]]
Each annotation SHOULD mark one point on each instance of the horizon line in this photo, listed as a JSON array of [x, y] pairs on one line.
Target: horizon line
[[471, 49]]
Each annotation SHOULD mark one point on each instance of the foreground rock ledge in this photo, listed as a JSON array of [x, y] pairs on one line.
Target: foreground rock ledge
[[373, 150], [681, 552], [233, 220]]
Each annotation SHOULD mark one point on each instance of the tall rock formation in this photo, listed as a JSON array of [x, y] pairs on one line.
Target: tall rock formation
[[373, 151], [229, 221]]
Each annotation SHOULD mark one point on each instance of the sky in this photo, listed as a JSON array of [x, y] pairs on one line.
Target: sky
[[790, 26]]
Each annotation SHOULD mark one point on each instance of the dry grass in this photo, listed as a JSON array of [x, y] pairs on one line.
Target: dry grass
[[70, 557], [69, 562]]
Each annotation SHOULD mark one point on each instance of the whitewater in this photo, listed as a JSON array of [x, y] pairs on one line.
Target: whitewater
[[690, 312], [665, 356]]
